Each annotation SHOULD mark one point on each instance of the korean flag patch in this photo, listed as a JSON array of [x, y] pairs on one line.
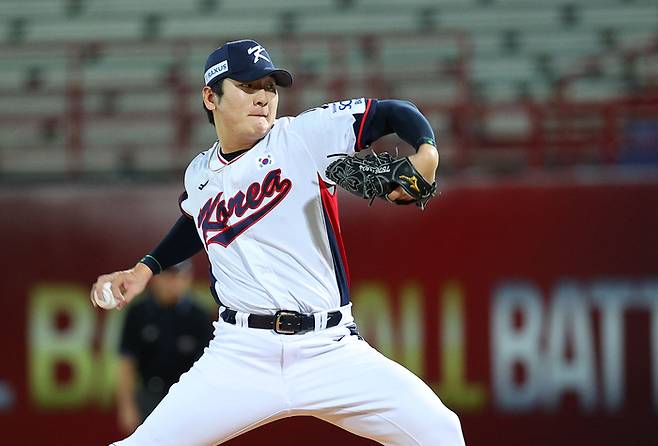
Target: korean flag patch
[[265, 161]]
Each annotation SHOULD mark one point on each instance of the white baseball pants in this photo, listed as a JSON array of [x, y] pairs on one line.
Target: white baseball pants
[[248, 377]]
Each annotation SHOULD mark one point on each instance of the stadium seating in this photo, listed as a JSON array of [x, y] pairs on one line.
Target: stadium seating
[[518, 50]]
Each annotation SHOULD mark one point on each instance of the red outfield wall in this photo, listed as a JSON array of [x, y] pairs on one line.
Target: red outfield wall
[[531, 309]]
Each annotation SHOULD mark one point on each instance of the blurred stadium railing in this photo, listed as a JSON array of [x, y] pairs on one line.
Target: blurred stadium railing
[[111, 87]]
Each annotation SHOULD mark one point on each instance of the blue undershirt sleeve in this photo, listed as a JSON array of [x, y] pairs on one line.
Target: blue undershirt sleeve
[[400, 117], [181, 243]]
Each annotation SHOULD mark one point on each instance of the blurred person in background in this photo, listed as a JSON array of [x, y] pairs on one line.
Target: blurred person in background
[[163, 334]]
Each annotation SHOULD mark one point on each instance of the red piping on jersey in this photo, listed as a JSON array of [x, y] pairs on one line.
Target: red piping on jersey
[[182, 198], [225, 162], [330, 203], [219, 157], [363, 123]]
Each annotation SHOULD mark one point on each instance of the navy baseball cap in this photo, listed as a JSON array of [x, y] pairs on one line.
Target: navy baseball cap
[[243, 60]]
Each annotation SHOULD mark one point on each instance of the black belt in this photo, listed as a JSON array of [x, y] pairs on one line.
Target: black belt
[[284, 322]]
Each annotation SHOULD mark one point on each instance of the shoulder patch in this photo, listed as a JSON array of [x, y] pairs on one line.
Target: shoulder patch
[[349, 106], [314, 109]]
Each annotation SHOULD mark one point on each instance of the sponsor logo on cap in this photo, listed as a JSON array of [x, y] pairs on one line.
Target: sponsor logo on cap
[[215, 71]]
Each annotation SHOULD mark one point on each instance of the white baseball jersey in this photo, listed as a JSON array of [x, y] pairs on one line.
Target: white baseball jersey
[[269, 219]]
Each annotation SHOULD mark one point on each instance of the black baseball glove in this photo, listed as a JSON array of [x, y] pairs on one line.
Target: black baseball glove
[[376, 175]]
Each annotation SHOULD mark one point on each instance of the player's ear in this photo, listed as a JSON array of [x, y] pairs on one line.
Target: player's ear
[[208, 98]]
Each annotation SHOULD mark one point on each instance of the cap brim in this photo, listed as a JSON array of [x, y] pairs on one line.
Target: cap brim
[[282, 77]]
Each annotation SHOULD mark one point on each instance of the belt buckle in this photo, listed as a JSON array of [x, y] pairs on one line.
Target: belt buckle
[[278, 322]]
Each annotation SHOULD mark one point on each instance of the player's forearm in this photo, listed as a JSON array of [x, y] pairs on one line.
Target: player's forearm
[[426, 160], [181, 243]]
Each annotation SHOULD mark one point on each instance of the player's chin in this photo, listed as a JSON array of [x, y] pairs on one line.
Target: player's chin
[[261, 126]]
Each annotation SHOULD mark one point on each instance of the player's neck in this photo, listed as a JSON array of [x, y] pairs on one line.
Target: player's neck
[[231, 141], [228, 146], [235, 149]]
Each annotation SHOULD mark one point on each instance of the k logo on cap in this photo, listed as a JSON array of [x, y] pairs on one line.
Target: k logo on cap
[[258, 50]]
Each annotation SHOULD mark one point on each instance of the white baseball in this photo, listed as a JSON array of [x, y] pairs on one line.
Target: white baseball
[[106, 300]]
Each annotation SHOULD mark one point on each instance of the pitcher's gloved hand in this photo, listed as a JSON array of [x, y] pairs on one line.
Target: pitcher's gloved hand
[[378, 174]]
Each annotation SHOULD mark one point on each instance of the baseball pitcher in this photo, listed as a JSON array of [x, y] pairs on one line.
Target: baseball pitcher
[[261, 202]]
